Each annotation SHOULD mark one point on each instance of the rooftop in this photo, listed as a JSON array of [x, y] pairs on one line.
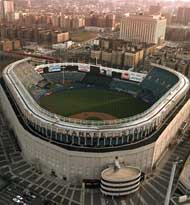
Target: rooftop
[[122, 174]]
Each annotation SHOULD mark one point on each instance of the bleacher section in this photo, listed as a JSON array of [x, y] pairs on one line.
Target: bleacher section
[[74, 77], [124, 86], [53, 77], [59, 76], [156, 84], [26, 73], [97, 79]]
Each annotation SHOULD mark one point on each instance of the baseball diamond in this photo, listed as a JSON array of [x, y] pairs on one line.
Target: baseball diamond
[[72, 102]]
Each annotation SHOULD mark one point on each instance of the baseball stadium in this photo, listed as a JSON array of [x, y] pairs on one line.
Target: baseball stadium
[[76, 118]]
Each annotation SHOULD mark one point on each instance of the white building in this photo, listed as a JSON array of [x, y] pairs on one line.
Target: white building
[[143, 28], [8, 9]]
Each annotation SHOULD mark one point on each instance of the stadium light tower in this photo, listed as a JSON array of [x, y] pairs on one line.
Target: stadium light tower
[[83, 193], [63, 76]]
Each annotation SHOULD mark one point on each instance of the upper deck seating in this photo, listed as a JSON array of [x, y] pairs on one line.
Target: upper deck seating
[[156, 84]]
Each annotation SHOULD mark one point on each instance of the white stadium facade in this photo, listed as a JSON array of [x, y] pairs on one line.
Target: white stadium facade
[[82, 149]]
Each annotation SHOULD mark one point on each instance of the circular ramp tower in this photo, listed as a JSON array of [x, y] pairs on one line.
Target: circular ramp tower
[[120, 180]]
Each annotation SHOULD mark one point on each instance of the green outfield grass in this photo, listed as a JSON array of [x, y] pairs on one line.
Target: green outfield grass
[[70, 102]]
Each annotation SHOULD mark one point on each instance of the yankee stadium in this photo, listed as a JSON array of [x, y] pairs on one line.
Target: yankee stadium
[[76, 119]]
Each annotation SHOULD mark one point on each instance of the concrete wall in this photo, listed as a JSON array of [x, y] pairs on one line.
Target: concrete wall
[[170, 132]]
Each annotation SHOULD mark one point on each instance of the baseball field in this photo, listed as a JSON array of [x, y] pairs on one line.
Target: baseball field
[[93, 104]]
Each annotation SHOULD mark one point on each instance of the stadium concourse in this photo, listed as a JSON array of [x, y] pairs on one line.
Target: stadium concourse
[[78, 150]]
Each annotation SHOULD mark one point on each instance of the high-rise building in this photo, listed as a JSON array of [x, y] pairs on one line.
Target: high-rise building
[[8, 10], [55, 19], [183, 15], [1, 9], [72, 22], [29, 3], [143, 28], [65, 22], [106, 21], [78, 22]]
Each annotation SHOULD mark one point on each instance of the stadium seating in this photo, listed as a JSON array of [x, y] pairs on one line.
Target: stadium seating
[[58, 77], [96, 79], [76, 77], [156, 84], [125, 86], [153, 87], [26, 73], [53, 77]]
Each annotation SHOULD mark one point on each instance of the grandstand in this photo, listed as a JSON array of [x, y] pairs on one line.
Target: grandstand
[[66, 76], [125, 86], [97, 79], [77, 147], [25, 71], [156, 84]]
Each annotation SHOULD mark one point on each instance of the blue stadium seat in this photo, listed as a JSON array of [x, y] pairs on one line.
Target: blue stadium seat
[[156, 84], [96, 79], [125, 86]]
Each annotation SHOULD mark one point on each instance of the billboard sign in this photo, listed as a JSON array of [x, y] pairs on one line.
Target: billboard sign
[[102, 71], [125, 75], [54, 68], [84, 68], [137, 77], [109, 72]]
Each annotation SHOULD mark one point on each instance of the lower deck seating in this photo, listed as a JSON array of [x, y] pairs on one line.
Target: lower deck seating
[[57, 77], [125, 86], [27, 74], [97, 79], [156, 84]]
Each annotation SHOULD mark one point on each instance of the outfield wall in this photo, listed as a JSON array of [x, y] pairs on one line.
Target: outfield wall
[[75, 165]]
